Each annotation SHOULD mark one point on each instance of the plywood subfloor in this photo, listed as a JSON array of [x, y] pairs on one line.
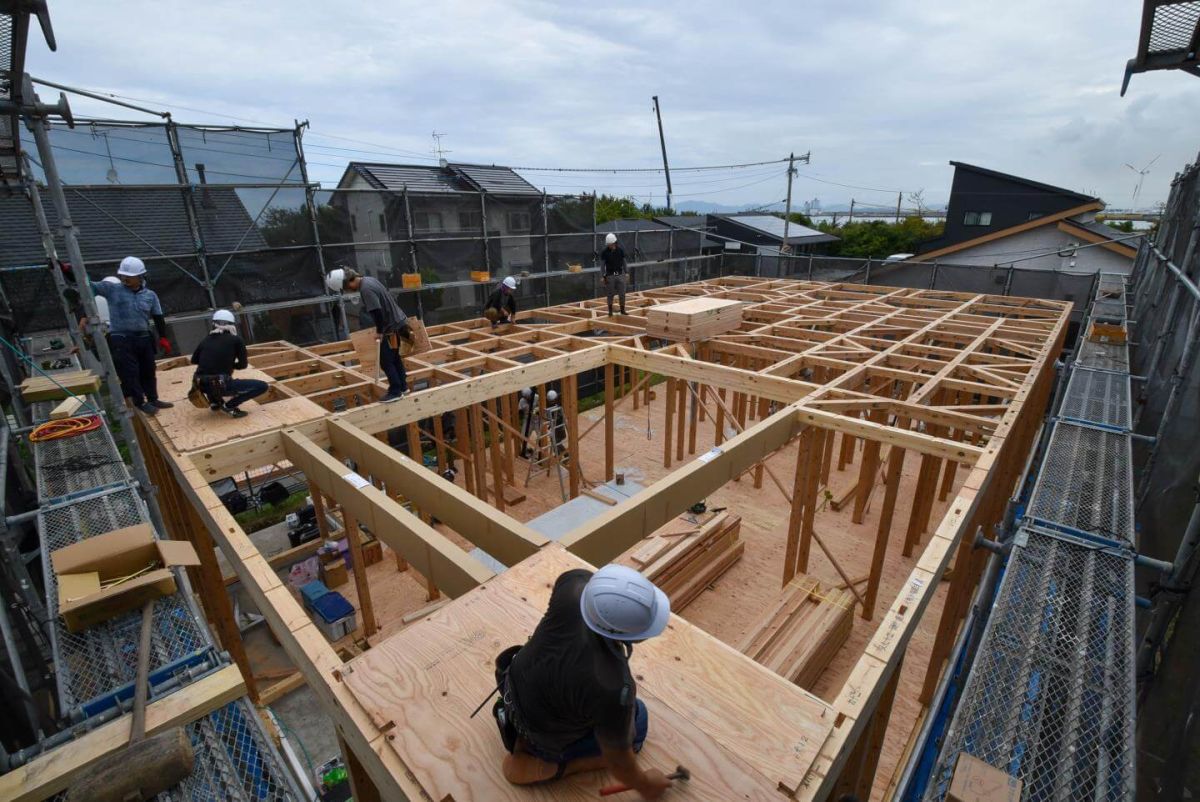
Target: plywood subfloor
[[754, 582], [742, 729], [189, 428]]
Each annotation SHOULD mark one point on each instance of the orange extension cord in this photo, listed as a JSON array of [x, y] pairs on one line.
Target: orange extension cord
[[67, 427]]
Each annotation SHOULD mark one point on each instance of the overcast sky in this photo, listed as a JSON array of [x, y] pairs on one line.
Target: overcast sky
[[882, 92]]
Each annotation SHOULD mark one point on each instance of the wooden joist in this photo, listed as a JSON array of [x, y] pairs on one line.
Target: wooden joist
[[800, 635], [60, 385]]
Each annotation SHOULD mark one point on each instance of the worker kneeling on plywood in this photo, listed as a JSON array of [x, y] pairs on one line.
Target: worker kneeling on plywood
[[215, 359], [569, 700]]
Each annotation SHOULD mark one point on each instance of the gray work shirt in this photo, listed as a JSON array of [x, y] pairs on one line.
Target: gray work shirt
[[375, 296]]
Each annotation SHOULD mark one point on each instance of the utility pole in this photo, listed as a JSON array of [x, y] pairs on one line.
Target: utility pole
[[899, 198], [787, 209], [851, 218], [663, 142]]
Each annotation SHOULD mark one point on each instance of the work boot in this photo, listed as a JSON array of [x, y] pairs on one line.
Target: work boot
[[148, 408], [234, 412], [162, 404]]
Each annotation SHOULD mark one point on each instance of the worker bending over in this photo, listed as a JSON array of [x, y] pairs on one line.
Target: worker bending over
[[215, 358], [132, 306], [501, 305], [613, 257], [390, 324], [569, 701]]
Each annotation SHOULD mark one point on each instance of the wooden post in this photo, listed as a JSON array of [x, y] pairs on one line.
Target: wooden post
[[361, 583], [506, 437], [318, 503], [719, 418], [479, 459], [439, 443], [682, 398], [895, 464], [866, 474], [570, 387], [922, 506], [609, 431], [693, 418], [669, 425], [816, 449], [633, 373], [827, 458], [796, 518], [462, 431], [496, 435]]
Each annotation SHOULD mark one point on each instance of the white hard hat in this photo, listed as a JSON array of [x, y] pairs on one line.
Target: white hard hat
[[552, 396], [335, 279], [111, 280], [223, 316], [510, 282], [131, 266], [526, 393], [621, 604], [610, 239]]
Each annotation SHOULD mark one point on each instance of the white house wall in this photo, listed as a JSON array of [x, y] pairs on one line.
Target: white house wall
[[1045, 239]]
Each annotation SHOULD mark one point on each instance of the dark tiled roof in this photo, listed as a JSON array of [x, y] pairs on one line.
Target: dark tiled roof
[[1026, 181], [422, 179], [115, 222], [497, 180], [631, 225], [772, 226]]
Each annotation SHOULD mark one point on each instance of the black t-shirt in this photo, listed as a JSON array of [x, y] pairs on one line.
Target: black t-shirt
[[220, 354], [614, 260], [569, 682]]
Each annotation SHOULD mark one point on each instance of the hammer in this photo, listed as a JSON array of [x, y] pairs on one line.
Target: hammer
[[680, 773]]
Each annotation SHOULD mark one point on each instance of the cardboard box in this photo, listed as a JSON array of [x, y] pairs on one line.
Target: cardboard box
[[334, 574], [410, 281], [480, 275], [976, 781], [109, 574]]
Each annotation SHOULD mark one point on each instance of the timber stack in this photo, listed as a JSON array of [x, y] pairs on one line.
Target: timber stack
[[801, 634], [694, 319], [683, 564]]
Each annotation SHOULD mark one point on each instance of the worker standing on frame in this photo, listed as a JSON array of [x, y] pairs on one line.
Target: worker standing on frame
[[390, 324], [501, 305], [132, 307], [215, 358], [613, 257], [568, 699]]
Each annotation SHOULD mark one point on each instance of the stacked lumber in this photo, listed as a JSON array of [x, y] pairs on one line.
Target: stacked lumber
[[683, 564], [801, 634], [43, 388], [694, 319]]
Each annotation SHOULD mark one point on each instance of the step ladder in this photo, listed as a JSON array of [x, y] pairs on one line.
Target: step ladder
[[546, 453]]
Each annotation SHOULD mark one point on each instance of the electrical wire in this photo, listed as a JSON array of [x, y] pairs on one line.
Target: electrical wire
[[62, 429]]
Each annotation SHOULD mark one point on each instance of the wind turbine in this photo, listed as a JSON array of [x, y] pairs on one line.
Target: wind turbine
[[1141, 177]]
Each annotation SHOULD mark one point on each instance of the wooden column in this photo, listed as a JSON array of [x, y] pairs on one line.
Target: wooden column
[[681, 395], [478, 457], [318, 502], [719, 418], [462, 431], [362, 583], [495, 436], [816, 449], [922, 506], [609, 431], [570, 387], [866, 473], [693, 418], [669, 421], [846, 454], [439, 443], [796, 518], [634, 382], [507, 437], [895, 465]]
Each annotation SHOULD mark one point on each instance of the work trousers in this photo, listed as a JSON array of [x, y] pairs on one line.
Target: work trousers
[[134, 357], [243, 390], [613, 285], [392, 365]]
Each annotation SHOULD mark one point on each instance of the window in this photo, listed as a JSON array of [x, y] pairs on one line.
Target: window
[[427, 221], [977, 219], [518, 222], [470, 221], [353, 223], [382, 225]]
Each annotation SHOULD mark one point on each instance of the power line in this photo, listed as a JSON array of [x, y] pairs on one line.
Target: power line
[[644, 169]]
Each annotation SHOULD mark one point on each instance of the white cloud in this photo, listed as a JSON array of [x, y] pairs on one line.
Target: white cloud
[[884, 93]]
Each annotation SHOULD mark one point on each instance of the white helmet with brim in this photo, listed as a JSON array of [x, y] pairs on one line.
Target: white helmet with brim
[[223, 316], [610, 239], [131, 266], [621, 604]]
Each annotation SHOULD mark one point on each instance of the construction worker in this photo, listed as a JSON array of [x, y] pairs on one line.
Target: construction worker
[[132, 306], [613, 257], [390, 324], [527, 407], [501, 305], [215, 358], [568, 699]]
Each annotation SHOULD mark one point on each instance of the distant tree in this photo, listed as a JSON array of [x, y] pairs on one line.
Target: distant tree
[[1122, 225], [282, 227], [879, 238]]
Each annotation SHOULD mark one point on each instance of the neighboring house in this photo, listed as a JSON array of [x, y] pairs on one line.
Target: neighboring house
[[692, 234], [643, 240], [443, 203], [997, 219], [763, 233]]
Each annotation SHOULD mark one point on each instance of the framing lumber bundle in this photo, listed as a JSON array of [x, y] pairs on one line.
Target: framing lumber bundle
[[801, 634], [46, 388], [684, 565], [695, 319], [958, 379]]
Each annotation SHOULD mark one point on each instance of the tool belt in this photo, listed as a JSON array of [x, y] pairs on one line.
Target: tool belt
[[208, 389], [505, 710]]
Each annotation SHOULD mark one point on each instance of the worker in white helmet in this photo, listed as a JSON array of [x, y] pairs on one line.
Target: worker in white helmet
[[501, 305], [215, 358], [101, 312], [132, 307], [390, 324], [568, 700], [613, 273], [526, 408]]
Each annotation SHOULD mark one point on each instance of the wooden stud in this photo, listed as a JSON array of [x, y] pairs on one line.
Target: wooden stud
[[812, 477], [571, 402], [507, 437], [681, 398], [669, 422], [866, 474], [719, 425], [439, 444], [609, 430], [495, 436], [796, 517], [462, 433], [478, 457], [362, 584]]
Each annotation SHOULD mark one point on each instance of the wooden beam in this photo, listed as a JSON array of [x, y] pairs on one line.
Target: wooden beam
[[775, 388], [426, 549], [609, 430], [56, 770]]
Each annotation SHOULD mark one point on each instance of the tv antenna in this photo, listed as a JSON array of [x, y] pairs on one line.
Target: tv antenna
[[438, 150], [1137, 190]]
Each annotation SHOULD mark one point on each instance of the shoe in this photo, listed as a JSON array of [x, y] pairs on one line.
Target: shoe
[[215, 407], [148, 408], [162, 404], [234, 412], [389, 398]]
